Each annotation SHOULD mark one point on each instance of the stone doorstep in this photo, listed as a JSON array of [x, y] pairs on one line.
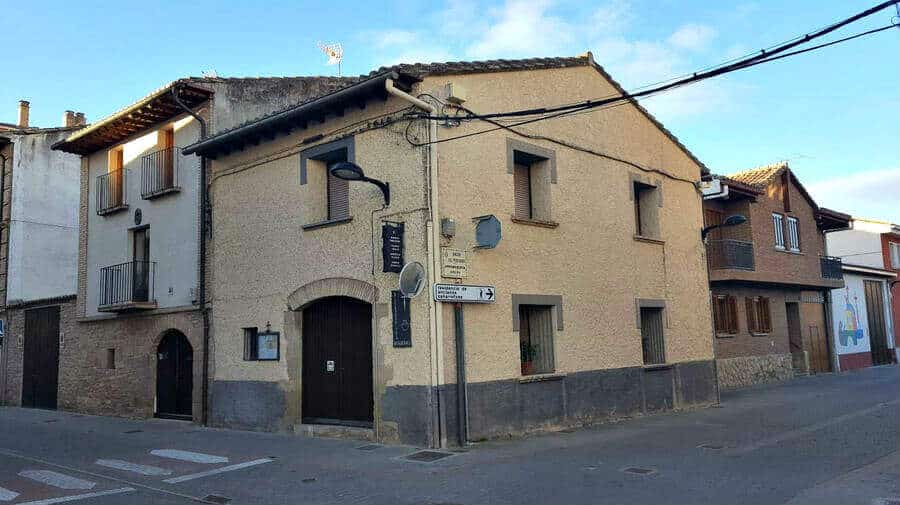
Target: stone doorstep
[[335, 431]]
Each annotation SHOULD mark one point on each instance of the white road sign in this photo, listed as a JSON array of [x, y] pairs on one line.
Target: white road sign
[[461, 293]]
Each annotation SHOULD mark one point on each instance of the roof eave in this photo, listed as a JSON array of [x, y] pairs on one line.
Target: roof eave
[[297, 117]]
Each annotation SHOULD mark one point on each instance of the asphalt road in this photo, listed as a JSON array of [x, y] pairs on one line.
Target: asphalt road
[[818, 440]]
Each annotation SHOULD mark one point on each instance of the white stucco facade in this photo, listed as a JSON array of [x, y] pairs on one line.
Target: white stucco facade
[[850, 315], [860, 245], [171, 220], [43, 220]]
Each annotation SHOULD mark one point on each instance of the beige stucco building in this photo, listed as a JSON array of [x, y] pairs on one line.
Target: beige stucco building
[[601, 293]]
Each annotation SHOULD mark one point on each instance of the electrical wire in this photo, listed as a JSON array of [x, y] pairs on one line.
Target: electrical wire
[[761, 57]]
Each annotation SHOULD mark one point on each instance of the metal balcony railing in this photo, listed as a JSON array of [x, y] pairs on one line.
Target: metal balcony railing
[[127, 283], [729, 253], [831, 268], [111, 191], [159, 172]]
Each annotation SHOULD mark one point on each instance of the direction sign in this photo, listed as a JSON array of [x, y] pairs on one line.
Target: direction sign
[[461, 293]]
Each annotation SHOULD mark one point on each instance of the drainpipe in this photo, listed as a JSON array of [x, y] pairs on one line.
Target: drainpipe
[[204, 203], [434, 241]]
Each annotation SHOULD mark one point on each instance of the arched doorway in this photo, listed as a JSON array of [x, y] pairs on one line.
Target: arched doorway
[[337, 362], [174, 376]]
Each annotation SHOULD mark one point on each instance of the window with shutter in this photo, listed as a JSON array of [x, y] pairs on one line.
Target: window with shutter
[[338, 198], [522, 190], [725, 314], [895, 255], [778, 226], [759, 316], [536, 339], [793, 234]]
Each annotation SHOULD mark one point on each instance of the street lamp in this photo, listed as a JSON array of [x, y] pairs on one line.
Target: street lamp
[[732, 220], [352, 172]]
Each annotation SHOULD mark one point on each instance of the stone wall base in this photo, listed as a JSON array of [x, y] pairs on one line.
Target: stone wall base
[[497, 408], [735, 373]]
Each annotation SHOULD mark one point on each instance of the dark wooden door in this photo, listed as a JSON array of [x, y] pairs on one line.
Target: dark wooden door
[[337, 362], [140, 274], [40, 366], [174, 377], [881, 354]]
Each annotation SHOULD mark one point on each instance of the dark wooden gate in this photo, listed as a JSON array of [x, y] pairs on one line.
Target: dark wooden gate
[[881, 354], [337, 362], [174, 377], [40, 363]]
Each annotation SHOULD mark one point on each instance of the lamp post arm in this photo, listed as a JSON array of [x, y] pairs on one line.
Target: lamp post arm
[[385, 188]]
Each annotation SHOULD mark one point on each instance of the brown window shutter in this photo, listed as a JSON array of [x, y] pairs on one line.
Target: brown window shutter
[[338, 198], [731, 303], [713, 217], [751, 315], [765, 316], [717, 313], [522, 191]]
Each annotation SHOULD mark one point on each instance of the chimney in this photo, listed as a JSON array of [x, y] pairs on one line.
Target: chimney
[[23, 113], [80, 119], [69, 119]]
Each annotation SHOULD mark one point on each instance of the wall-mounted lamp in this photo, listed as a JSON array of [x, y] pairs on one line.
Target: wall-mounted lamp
[[733, 220], [352, 172]]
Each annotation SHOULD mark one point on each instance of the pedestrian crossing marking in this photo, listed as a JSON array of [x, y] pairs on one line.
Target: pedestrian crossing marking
[[64, 499], [56, 479], [230, 468], [7, 495], [128, 466], [193, 457]]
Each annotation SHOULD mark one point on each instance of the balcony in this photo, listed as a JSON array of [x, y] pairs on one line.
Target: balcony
[[831, 268], [127, 287], [159, 173], [730, 254], [111, 192]]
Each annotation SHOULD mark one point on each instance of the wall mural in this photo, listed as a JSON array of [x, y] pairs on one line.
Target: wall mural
[[850, 318]]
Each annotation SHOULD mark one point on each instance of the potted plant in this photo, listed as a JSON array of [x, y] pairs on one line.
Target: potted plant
[[528, 353]]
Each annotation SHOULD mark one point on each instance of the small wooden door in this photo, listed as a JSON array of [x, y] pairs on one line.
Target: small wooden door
[[881, 354], [166, 145], [174, 377], [40, 370], [653, 344], [337, 362], [141, 265], [795, 332]]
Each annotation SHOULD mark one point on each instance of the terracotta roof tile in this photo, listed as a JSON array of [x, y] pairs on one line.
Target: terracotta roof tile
[[468, 67], [759, 177]]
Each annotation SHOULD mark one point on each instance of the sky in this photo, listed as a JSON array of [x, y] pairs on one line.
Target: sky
[[833, 114]]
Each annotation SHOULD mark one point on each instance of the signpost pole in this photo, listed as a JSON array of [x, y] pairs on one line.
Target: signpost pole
[[462, 406]]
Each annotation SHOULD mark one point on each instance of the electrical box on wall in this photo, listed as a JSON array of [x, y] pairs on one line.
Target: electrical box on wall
[[448, 227]]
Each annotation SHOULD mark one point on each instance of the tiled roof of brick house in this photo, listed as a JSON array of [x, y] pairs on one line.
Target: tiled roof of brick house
[[759, 177]]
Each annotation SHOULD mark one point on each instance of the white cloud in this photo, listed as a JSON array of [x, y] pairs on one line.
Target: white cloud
[[862, 194], [692, 37], [390, 38], [522, 28]]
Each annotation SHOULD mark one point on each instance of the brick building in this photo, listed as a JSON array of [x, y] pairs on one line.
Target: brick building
[[38, 252], [770, 277]]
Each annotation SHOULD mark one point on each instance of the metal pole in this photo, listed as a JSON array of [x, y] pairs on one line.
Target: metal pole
[[462, 406]]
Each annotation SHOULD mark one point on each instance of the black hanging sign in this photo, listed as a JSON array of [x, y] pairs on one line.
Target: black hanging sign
[[392, 247], [400, 310]]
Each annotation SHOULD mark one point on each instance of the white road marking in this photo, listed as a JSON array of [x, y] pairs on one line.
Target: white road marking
[[57, 479], [193, 457], [230, 468], [127, 466], [64, 499], [7, 495]]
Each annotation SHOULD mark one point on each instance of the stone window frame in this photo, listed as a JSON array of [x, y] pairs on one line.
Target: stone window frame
[[650, 303], [633, 180], [315, 153], [536, 155], [556, 301]]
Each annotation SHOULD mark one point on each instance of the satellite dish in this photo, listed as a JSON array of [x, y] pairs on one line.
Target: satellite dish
[[412, 279]]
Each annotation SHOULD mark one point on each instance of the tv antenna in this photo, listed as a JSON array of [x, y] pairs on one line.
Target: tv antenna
[[335, 53]]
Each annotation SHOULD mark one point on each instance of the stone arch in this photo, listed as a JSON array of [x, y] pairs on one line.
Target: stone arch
[[334, 286]]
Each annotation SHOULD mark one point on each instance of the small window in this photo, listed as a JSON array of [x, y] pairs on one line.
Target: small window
[[261, 345], [646, 205], [329, 197], [338, 198], [778, 226], [531, 187], [536, 339], [793, 234], [653, 343], [895, 254], [110, 359], [725, 314], [759, 317]]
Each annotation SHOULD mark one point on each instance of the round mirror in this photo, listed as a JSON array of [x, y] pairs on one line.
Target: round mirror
[[412, 279]]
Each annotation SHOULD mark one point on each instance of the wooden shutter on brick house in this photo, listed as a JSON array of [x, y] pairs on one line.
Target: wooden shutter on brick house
[[759, 317], [522, 191], [338, 198], [725, 314]]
